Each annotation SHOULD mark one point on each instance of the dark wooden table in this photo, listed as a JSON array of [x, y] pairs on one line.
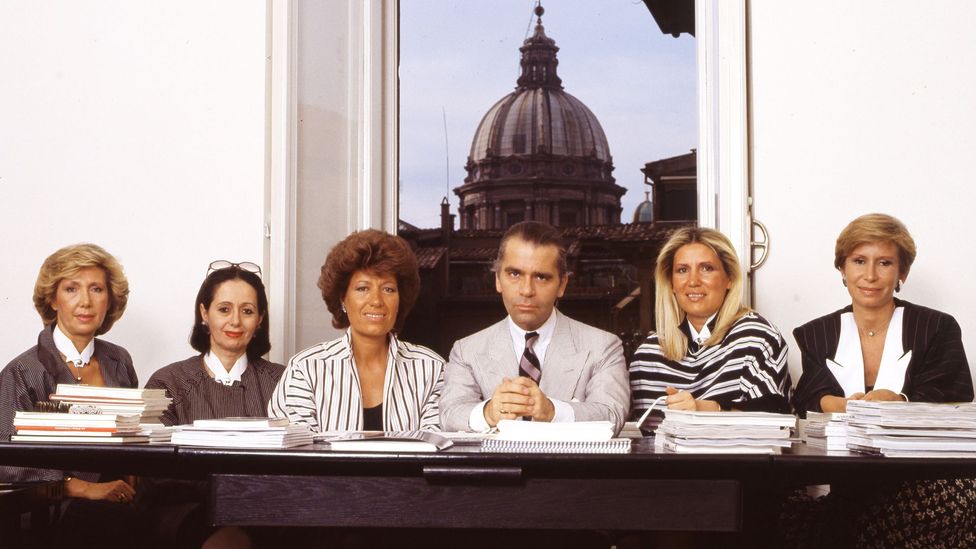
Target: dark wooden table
[[465, 488]]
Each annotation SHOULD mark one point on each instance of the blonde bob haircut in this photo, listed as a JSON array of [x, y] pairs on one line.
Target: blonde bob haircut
[[668, 315], [876, 227], [66, 263]]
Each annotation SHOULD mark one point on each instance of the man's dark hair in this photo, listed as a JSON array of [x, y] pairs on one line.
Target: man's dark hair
[[537, 234]]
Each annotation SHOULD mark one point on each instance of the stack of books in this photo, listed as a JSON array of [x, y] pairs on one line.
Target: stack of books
[[55, 427], [538, 437], [827, 431], [912, 429], [243, 432], [148, 404], [724, 432]]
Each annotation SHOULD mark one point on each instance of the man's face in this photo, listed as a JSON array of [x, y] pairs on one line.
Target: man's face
[[528, 279]]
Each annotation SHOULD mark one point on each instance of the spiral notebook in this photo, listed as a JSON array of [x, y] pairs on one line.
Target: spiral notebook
[[537, 437], [611, 446]]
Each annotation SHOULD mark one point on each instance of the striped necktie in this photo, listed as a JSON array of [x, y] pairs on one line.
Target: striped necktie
[[529, 365]]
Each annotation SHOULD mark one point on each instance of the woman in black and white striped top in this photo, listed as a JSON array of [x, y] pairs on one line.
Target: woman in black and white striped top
[[367, 379], [709, 352]]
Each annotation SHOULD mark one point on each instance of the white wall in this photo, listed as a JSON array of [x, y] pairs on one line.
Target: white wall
[[859, 107], [138, 125]]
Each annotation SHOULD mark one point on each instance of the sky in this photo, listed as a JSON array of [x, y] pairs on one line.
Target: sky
[[459, 57]]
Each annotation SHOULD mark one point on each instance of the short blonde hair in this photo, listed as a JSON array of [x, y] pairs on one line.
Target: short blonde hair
[[876, 227], [67, 262], [668, 315]]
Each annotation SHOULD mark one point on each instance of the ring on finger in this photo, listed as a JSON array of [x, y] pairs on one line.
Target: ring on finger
[[121, 497]]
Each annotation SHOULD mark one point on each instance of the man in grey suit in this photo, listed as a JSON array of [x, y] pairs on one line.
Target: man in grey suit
[[490, 376]]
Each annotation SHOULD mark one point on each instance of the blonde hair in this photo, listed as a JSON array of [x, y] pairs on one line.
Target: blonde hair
[[876, 227], [668, 315], [67, 262]]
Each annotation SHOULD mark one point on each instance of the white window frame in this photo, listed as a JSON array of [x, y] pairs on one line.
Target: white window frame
[[373, 36]]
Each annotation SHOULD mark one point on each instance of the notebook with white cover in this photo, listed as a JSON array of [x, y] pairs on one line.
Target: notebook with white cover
[[730, 418], [576, 431], [241, 423], [608, 446]]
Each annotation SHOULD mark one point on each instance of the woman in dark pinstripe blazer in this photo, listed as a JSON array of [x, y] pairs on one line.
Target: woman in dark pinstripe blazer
[[81, 291], [882, 348], [368, 379]]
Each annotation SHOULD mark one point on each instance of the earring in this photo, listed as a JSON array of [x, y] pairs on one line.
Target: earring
[[898, 286], [843, 281], [206, 327], [343, 305]]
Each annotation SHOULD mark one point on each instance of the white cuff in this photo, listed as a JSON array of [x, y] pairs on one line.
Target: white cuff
[[564, 413], [476, 421]]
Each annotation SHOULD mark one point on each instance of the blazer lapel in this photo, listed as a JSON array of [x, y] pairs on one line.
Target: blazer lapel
[[564, 362], [498, 357]]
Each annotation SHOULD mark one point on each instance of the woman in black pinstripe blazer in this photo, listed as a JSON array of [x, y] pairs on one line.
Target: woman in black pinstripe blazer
[[81, 291], [882, 348]]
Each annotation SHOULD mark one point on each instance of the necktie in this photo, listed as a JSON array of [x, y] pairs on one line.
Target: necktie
[[529, 365]]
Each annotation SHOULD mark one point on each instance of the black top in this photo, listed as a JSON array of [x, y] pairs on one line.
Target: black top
[[373, 418], [938, 371]]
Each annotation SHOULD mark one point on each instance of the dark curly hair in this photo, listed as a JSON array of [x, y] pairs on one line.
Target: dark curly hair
[[260, 343], [376, 251]]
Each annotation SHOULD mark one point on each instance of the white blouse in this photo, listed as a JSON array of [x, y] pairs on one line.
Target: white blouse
[[847, 365]]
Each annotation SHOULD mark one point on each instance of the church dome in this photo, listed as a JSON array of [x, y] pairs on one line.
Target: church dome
[[539, 117], [645, 210], [539, 153]]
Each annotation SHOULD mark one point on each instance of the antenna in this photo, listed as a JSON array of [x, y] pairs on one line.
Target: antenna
[[447, 157], [528, 28]]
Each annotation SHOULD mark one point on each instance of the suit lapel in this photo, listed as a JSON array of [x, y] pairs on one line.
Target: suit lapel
[[498, 356], [564, 362]]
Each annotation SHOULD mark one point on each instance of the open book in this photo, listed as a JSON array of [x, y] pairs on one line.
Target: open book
[[389, 441]]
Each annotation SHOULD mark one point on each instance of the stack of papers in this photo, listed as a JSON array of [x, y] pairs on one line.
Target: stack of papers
[[148, 404], [912, 429], [580, 437], [827, 431], [243, 432], [724, 432], [157, 432], [54, 427]]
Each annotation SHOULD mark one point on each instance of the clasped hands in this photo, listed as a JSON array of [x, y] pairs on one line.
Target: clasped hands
[[516, 398]]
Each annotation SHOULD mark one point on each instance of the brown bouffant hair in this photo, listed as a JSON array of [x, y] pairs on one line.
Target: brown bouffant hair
[[876, 227], [65, 263], [538, 234], [370, 250]]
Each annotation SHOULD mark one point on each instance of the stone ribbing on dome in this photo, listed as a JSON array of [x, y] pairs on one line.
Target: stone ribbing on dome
[[539, 153], [539, 120]]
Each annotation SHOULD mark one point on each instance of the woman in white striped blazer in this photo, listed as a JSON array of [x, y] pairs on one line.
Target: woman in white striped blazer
[[367, 379]]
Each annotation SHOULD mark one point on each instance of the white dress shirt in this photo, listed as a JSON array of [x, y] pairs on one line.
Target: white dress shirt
[[563, 411]]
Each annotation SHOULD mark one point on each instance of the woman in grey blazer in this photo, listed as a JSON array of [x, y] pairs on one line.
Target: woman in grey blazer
[[81, 291], [368, 379]]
